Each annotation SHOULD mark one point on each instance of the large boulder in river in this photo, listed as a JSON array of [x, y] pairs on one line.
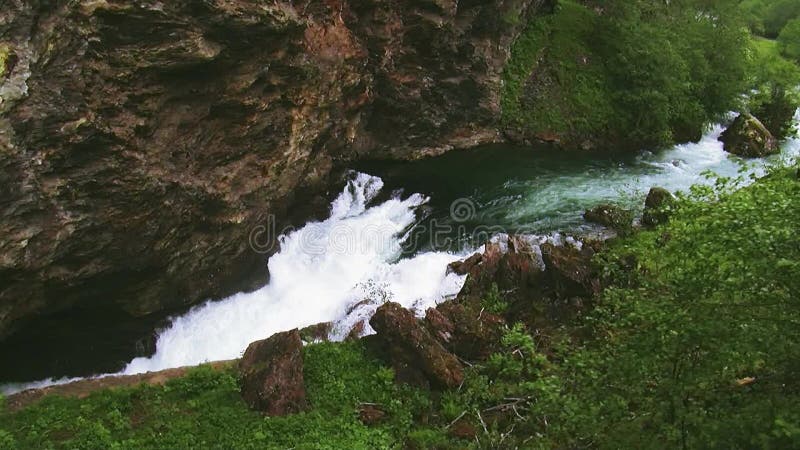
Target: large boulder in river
[[415, 354], [272, 375], [749, 138], [656, 206], [612, 216]]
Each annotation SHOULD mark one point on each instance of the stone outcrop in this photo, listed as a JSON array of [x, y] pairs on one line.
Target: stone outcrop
[[612, 216], [469, 333], [516, 267], [318, 332], [749, 138], [656, 207], [540, 284], [146, 147], [416, 356], [272, 375], [569, 271], [370, 414]]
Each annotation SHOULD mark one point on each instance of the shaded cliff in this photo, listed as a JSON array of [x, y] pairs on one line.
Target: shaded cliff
[[141, 143]]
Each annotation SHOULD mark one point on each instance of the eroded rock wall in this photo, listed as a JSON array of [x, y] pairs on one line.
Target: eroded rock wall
[[141, 142]]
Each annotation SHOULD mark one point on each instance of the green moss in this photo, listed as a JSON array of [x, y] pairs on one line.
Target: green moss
[[5, 52]]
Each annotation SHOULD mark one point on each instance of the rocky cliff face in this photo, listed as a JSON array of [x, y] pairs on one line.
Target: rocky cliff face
[[142, 142]]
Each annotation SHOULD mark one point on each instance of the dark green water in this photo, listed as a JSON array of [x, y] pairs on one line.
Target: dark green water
[[534, 190]]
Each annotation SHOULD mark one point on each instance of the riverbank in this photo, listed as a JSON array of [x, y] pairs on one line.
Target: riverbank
[[694, 332], [396, 230]]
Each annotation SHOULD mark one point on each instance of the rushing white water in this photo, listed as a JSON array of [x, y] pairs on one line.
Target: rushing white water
[[320, 272], [323, 272], [561, 196]]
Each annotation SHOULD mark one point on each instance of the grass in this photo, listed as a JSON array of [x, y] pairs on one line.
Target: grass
[[204, 410]]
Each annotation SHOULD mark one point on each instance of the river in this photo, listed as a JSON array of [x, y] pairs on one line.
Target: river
[[391, 235]]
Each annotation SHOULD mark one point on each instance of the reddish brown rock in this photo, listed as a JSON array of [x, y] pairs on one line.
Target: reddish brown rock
[[469, 333], [413, 349], [518, 267], [370, 414], [569, 271], [317, 332], [464, 267], [482, 275], [440, 325], [356, 332], [272, 375]]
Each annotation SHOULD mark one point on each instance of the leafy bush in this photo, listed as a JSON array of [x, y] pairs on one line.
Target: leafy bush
[[493, 302], [774, 95], [789, 40], [706, 341], [768, 17]]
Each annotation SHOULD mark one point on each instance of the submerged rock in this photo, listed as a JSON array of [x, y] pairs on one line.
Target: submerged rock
[[656, 206], [612, 216], [415, 354], [749, 138], [272, 375]]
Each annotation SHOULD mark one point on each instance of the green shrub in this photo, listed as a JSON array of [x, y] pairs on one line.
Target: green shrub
[[789, 40], [494, 302]]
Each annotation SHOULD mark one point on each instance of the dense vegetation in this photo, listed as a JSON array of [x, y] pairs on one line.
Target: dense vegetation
[[641, 74], [626, 73], [769, 17], [695, 344]]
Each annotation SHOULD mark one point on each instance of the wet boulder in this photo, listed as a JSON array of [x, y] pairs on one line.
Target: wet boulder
[[611, 216], [272, 375], [749, 138], [569, 271], [517, 268], [318, 332], [656, 207], [464, 267], [415, 354], [469, 333]]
